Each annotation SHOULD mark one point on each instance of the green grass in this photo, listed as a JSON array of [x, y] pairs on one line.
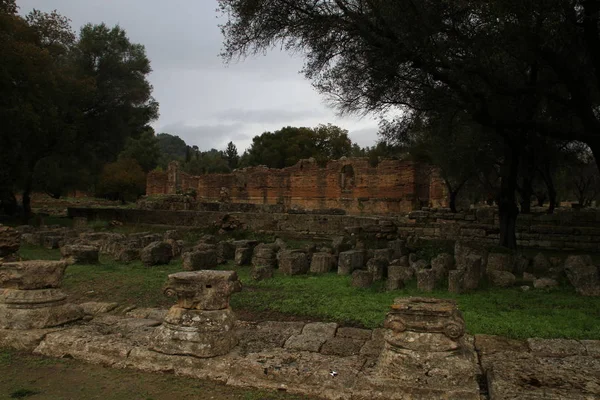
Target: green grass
[[557, 313]]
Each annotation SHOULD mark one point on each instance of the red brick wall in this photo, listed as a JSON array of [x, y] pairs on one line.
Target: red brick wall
[[352, 184]]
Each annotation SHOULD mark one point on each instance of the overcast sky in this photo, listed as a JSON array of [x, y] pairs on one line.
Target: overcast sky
[[202, 100]]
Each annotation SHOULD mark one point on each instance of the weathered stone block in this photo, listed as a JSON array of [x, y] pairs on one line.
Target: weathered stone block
[[472, 266], [198, 333], [203, 290], [398, 248], [442, 264], [261, 272], [362, 279], [462, 251], [321, 263], [349, 261], [426, 280], [199, 260], [585, 278], [341, 244], [392, 284], [500, 262], [384, 254], [401, 273], [456, 281], [80, 254], [541, 264], [226, 250], [243, 255], [342, 347], [378, 268], [156, 253], [293, 262], [353, 333], [501, 278], [265, 255], [30, 275], [128, 253], [545, 283], [10, 241]]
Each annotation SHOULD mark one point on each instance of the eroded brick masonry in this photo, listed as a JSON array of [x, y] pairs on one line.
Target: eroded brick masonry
[[393, 186]]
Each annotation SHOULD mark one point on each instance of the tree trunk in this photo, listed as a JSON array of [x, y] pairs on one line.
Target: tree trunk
[[595, 147], [541, 199], [507, 201], [526, 193], [8, 203], [453, 201], [26, 203]]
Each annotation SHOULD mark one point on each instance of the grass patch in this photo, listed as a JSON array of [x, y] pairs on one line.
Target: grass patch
[[556, 313]]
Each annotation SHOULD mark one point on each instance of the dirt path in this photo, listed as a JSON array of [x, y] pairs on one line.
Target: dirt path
[[32, 377]]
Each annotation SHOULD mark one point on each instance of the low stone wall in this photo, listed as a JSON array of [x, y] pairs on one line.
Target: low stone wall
[[565, 230], [570, 231], [269, 222]]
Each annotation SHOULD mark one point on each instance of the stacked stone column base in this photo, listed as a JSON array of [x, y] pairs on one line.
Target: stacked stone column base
[[425, 355], [30, 298], [198, 333], [202, 323]]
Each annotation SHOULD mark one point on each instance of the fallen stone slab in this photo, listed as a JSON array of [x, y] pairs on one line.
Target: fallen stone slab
[[527, 376], [96, 308], [80, 254], [22, 340], [86, 345]]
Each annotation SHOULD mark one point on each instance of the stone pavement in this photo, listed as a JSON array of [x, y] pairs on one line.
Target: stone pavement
[[323, 359]]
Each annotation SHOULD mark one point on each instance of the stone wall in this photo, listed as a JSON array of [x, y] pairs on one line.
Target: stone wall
[[353, 185], [563, 231]]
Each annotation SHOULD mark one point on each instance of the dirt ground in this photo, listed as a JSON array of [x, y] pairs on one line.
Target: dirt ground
[[32, 377]]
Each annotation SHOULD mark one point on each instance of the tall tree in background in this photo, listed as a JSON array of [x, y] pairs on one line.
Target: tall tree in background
[[232, 156], [172, 148], [122, 105], [145, 150], [69, 103], [507, 64], [287, 146]]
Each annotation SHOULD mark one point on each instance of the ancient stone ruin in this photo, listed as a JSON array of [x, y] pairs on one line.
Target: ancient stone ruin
[[30, 297], [349, 184], [425, 353], [201, 323]]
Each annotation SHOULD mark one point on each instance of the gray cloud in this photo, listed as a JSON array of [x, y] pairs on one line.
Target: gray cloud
[[207, 136], [201, 99], [268, 115]]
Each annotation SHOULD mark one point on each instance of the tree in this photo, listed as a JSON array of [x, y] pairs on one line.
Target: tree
[[481, 57], [122, 105], [331, 142], [172, 148], [287, 146], [69, 102], [41, 94], [145, 150], [456, 145], [122, 180], [231, 154]]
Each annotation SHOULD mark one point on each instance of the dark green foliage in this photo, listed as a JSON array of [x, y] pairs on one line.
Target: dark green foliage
[[172, 148], [287, 146], [122, 180], [231, 154], [145, 150], [69, 103]]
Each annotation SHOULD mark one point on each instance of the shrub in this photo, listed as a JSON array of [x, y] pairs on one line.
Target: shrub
[[122, 180]]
